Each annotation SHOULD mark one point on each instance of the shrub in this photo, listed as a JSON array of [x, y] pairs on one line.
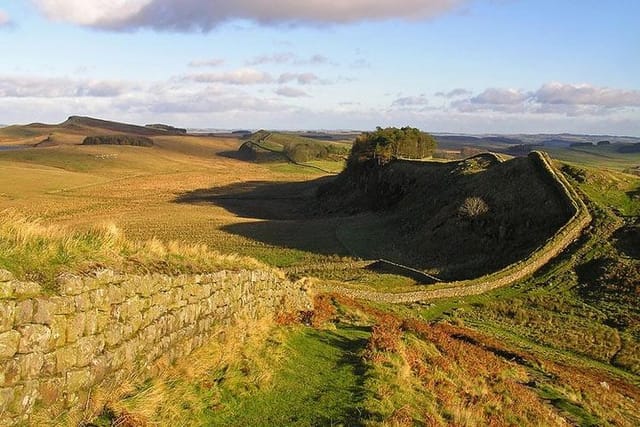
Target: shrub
[[473, 207]]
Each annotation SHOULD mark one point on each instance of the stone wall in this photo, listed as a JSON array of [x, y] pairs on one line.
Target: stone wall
[[100, 329]]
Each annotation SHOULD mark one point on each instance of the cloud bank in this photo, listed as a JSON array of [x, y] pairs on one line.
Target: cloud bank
[[204, 15], [552, 98]]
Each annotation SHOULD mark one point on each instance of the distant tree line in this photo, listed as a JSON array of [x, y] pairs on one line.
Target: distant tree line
[[383, 145], [135, 140]]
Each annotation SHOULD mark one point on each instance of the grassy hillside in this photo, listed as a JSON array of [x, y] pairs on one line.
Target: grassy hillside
[[264, 146], [458, 220], [561, 347], [367, 366]]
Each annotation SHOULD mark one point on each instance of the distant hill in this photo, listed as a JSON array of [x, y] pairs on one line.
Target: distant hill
[[264, 146], [89, 122], [167, 128]]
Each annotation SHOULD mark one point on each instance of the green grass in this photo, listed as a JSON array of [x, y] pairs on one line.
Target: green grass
[[319, 383], [596, 157]]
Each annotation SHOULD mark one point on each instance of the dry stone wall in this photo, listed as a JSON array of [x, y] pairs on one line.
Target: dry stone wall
[[103, 328]]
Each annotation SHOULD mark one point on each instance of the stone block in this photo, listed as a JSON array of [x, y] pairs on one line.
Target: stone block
[[66, 359], [100, 368], [5, 276], [7, 396], [25, 397], [75, 326], [91, 322], [59, 331], [62, 305], [43, 311], [26, 289], [82, 302], [86, 348], [6, 290], [113, 334], [99, 299], [7, 315], [31, 365], [78, 380], [51, 390], [103, 320], [136, 322], [10, 373], [49, 367], [70, 284], [35, 338], [24, 312], [115, 294]]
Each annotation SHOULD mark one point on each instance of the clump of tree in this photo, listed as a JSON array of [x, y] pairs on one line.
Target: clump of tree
[[135, 140], [167, 128], [383, 145]]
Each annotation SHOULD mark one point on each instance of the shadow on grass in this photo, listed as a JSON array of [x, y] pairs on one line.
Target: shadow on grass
[[287, 214], [261, 199]]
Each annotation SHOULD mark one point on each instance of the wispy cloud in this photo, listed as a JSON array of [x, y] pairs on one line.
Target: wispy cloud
[[243, 76], [276, 58], [455, 93], [300, 78], [410, 101], [42, 87], [204, 15], [291, 92], [288, 58], [213, 62]]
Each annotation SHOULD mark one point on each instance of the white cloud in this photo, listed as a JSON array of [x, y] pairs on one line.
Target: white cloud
[[213, 62], [410, 101], [291, 92], [288, 58], [455, 93], [584, 94], [496, 96], [241, 77], [43, 87], [276, 58], [301, 78], [552, 98], [190, 15]]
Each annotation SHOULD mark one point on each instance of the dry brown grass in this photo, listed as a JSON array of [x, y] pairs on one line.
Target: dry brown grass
[[441, 374], [34, 250], [181, 393]]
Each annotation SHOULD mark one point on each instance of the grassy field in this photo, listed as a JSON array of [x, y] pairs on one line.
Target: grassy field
[[561, 347]]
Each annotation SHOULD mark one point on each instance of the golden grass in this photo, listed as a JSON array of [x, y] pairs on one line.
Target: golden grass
[[185, 392], [33, 250]]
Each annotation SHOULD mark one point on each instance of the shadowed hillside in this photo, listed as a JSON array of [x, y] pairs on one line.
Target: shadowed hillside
[[458, 219]]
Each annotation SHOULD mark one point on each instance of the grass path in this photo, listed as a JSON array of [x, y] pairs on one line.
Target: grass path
[[319, 383]]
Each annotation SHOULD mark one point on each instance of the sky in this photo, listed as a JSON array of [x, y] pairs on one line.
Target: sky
[[460, 66]]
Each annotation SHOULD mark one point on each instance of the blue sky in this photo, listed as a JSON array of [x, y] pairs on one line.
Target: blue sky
[[483, 66]]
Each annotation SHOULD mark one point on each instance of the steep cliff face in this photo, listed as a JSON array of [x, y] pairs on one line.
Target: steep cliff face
[[459, 219]]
